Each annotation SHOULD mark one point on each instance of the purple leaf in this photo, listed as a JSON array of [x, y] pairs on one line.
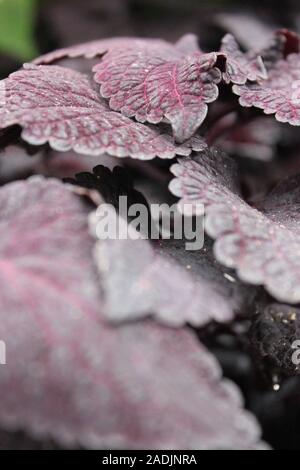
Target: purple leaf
[[67, 164], [38, 217], [255, 140], [279, 94], [60, 106], [240, 67], [274, 330], [70, 376], [290, 40], [187, 44], [125, 392], [263, 245], [166, 281], [151, 83]]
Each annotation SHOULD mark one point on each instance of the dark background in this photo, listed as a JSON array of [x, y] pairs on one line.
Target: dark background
[[30, 27]]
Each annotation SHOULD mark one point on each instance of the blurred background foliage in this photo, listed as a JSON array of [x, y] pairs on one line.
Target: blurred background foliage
[[17, 25], [28, 27], [76, 20]]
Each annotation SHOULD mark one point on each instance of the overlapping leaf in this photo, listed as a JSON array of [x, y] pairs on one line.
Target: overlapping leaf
[[279, 94], [151, 83], [187, 44], [262, 244], [255, 140], [153, 80], [96, 48], [240, 67], [174, 285], [60, 106]]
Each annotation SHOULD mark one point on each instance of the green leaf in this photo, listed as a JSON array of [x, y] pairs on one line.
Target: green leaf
[[17, 18]]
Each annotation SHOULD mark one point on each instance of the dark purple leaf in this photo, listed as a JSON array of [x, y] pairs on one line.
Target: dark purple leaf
[[99, 47], [21, 441], [60, 106], [263, 245], [250, 31], [279, 94], [240, 67], [151, 83], [188, 44]]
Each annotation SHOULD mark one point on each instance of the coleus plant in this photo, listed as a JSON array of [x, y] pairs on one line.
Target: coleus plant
[[101, 334]]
